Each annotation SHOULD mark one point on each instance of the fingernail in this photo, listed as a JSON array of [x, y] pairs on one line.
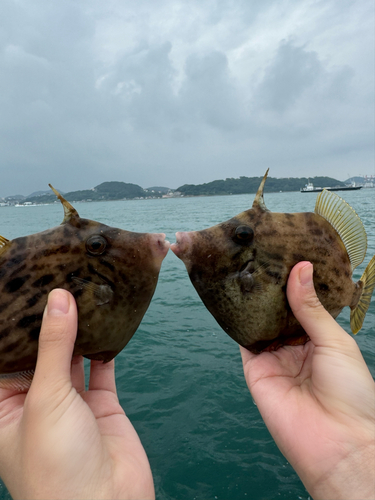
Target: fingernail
[[305, 274], [58, 303]]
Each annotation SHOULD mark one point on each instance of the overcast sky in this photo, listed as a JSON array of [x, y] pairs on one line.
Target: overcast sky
[[168, 92]]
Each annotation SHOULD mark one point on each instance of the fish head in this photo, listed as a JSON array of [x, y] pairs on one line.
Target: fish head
[[113, 276]]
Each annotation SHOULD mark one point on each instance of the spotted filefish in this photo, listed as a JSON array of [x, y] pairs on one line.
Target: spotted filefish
[[112, 274], [240, 268]]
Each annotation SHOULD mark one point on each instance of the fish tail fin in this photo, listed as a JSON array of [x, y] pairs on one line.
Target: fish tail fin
[[358, 313]]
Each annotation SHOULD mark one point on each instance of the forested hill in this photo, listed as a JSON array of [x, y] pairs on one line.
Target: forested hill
[[245, 185], [105, 191]]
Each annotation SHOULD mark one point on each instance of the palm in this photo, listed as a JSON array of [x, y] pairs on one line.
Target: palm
[[309, 400]]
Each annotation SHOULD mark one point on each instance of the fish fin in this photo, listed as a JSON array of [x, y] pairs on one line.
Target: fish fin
[[3, 242], [69, 210], [259, 200], [101, 293], [19, 381], [358, 313], [346, 222]]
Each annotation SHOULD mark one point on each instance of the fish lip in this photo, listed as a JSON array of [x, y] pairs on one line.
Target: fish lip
[[183, 244], [160, 245]]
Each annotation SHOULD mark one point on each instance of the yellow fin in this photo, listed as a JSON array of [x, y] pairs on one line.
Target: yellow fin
[[349, 226], [3, 242], [358, 313], [19, 381], [69, 210]]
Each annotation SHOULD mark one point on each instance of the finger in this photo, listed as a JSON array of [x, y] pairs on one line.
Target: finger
[[315, 320], [78, 373], [56, 340], [102, 376]]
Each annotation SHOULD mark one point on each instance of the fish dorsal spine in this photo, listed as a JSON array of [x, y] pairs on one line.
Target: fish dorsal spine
[[69, 210], [346, 222], [259, 199]]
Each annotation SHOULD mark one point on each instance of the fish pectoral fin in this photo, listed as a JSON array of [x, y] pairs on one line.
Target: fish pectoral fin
[[358, 313], [102, 294], [3, 243], [346, 222], [19, 381]]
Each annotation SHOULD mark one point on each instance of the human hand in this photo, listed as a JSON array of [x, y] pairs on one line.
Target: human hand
[[59, 441], [318, 400]]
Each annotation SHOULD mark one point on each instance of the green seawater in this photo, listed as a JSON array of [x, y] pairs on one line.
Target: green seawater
[[180, 378]]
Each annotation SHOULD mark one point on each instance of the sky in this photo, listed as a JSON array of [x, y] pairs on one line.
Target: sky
[[173, 92]]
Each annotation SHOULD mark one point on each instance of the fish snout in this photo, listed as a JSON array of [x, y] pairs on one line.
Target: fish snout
[[183, 245], [159, 245]]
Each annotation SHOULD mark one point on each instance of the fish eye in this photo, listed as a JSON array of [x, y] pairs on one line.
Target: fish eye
[[244, 234], [96, 244]]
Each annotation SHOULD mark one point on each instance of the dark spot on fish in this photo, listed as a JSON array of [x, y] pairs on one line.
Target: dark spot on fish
[[21, 243], [34, 333], [16, 260], [29, 320], [43, 281], [64, 249], [4, 333], [107, 264], [298, 257], [276, 276], [78, 293], [275, 256], [323, 287], [67, 232], [18, 270], [34, 300], [316, 231], [49, 251], [15, 284], [123, 277], [336, 271], [289, 219], [4, 306], [11, 347], [75, 250]]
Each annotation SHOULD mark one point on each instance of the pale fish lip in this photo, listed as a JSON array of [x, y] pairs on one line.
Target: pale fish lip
[[183, 243], [160, 245]]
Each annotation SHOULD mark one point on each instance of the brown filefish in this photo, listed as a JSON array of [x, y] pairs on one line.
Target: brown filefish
[[112, 273], [240, 268]]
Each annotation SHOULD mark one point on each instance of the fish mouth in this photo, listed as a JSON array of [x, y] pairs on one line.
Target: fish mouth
[[183, 244], [159, 245]]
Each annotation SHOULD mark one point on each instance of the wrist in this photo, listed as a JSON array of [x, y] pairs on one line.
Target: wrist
[[353, 477]]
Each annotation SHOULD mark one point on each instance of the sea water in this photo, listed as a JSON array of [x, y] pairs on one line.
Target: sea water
[[180, 379]]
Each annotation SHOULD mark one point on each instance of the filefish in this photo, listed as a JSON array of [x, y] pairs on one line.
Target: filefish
[[112, 274], [240, 268]]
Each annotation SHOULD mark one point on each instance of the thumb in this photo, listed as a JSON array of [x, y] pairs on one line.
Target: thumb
[[322, 329], [56, 340]]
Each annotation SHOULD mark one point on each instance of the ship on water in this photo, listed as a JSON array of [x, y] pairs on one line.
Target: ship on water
[[309, 188]]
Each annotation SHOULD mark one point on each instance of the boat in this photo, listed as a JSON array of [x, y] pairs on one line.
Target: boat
[[309, 188]]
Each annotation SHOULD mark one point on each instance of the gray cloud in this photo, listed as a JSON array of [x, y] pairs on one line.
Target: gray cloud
[[179, 91]]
